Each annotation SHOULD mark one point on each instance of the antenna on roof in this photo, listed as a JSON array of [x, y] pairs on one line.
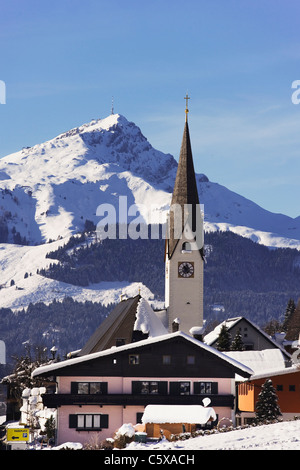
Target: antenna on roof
[[112, 105]]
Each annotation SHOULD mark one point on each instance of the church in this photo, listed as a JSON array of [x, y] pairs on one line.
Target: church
[[139, 357]]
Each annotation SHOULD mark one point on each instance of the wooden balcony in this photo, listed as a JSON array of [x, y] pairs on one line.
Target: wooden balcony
[[57, 400]]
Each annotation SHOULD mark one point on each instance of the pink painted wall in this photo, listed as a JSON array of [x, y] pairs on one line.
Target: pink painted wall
[[118, 415], [123, 384]]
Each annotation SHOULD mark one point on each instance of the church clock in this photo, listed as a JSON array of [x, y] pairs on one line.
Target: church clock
[[186, 269]]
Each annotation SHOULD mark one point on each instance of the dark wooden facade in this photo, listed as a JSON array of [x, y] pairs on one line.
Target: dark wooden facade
[[186, 359]]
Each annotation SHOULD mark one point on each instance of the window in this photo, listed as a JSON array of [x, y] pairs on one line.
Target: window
[[186, 247], [279, 388], [179, 388], [149, 387], [292, 388], [190, 360], [89, 388], [166, 360], [88, 421], [205, 388], [120, 341], [184, 388], [134, 359]]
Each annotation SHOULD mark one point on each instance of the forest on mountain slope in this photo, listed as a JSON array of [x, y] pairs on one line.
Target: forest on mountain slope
[[248, 279], [241, 278]]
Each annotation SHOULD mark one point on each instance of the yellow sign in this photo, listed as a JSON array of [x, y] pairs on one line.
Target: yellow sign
[[17, 434]]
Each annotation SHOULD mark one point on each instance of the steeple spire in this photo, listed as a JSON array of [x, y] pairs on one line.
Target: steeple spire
[[184, 244], [185, 192]]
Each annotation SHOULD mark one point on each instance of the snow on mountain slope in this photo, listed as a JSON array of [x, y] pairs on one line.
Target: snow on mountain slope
[[20, 263], [49, 190], [64, 180]]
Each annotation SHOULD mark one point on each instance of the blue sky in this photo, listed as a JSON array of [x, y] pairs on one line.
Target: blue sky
[[62, 61]]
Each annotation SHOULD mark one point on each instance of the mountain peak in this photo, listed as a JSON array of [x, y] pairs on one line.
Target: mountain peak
[[104, 124]]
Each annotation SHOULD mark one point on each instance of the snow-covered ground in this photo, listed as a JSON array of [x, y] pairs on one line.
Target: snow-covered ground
[[279, 436]]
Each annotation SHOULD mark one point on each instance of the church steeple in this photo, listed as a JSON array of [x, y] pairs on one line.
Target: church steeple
[[185, 193], [184, 245]]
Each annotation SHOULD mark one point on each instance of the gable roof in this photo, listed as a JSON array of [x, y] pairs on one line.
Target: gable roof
[[271, 360], [138, 316], [239, 368], [212, 337]]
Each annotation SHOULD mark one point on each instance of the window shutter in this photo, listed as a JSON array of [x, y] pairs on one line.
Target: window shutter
[[174, 388], [104, 388], [214, 388], [196, 388], [74, 388], [104, 421], [72, 421], [163, 388], [135, 387]]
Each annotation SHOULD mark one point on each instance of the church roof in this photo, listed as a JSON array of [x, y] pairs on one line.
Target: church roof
[[133, 314], [185, 190], [105, 333]]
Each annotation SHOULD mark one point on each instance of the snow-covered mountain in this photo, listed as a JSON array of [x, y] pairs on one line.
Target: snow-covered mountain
[[49, 190]]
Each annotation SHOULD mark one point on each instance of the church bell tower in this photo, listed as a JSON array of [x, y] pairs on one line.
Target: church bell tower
[[184, 255]]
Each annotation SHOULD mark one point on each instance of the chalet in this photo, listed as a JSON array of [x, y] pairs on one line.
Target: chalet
[[253, 338], [98, 392], [286, 382]]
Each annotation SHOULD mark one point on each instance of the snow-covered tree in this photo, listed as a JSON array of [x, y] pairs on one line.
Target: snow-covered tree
[[267, 408], [223, 342], [21, 378], [237, 343]]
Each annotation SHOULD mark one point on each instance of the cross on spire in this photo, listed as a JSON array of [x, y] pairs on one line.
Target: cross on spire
[[186, 105]]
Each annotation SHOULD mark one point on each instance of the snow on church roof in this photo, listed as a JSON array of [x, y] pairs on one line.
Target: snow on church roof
[[147, 321], [178, 414]]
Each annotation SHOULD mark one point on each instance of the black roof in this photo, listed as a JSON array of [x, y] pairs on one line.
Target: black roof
[[103, 335]]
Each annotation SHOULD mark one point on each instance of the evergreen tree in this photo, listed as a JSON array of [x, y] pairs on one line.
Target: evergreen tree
[[237, 343], [50, 427], [267, 408], [223, 342], [291, 307]]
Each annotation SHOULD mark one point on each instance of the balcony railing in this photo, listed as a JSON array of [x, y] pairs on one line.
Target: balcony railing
[[56, 400]]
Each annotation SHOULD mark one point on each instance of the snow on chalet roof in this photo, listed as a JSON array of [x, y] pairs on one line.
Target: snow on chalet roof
[[127, 347], [178, 414], [271, 373], [267, 360]]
